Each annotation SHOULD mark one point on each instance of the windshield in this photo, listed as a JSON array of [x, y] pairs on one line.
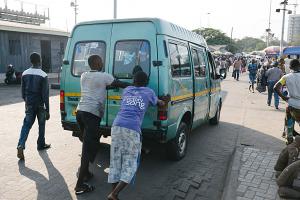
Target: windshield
[[131, 56], [82, 52]]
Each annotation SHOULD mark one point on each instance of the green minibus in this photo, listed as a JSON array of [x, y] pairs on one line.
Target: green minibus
[[177, 61]]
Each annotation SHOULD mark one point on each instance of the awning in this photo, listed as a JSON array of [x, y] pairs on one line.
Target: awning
[[292, 50]]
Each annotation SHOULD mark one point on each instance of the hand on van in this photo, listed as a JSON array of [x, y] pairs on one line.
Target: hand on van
[[160, 103], [164, 100]]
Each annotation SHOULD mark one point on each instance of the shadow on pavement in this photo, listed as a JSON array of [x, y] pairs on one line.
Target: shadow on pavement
[[44, 186], [11, 94], [208, 157]]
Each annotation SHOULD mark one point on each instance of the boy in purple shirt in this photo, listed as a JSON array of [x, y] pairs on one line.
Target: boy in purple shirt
[[126, 133]]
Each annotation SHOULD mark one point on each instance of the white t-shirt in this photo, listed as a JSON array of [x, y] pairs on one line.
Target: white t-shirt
[[93, 92], [292, 82]]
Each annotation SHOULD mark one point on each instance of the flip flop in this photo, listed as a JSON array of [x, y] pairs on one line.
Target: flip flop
[[85, 188]]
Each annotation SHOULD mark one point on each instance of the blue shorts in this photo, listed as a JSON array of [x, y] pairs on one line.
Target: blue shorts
[[252, 77]]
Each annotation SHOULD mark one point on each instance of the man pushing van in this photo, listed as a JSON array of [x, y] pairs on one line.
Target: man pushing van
[[89, 113]]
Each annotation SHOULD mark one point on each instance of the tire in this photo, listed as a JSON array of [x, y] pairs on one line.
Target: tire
[[216, 119], [176, 148]]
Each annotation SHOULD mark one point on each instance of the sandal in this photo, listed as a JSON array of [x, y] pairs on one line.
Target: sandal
[[85, 188]]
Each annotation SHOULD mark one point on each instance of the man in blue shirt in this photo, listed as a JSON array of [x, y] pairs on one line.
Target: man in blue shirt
[[252, 68], [35, 92], [126, 133]]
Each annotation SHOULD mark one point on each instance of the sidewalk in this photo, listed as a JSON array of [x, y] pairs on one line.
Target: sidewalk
[[251, 175]]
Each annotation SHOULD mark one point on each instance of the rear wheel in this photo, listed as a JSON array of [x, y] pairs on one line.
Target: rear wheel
[[216, 119], [176, 148]]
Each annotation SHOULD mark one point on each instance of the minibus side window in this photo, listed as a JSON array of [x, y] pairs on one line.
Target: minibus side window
[[212, 68], [185, 67], [175, 61], [180, 65], [202, 64], [131, 56], [82, 51], [196, 63]]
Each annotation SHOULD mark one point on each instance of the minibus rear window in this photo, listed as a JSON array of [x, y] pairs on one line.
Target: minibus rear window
[[82, 51], [131, 56]]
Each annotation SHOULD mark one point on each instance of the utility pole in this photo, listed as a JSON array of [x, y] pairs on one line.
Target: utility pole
[[231, 35], [284, 3], [268, 30], [75, 5], [115, 9], [295, 7]]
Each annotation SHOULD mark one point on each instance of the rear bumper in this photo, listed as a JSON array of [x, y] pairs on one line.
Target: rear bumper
[[159, 135]]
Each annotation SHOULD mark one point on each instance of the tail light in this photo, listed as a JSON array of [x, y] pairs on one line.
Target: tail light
[[62, 100], [162, 115]]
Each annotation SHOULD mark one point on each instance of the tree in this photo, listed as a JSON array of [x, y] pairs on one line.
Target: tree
[[233, 48], [249, 44], [213, 36]]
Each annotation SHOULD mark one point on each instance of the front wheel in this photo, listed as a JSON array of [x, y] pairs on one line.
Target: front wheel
[[216, 119], [176, 148]]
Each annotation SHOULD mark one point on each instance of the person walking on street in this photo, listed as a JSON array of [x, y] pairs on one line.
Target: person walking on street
[[261, 78], [126, 133], [292, 82], [90, 110], [35, 93], [273, 75], [236, 69], [252, 68]]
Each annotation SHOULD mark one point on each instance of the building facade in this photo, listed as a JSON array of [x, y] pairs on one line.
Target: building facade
[[18, 41], [294, 30]]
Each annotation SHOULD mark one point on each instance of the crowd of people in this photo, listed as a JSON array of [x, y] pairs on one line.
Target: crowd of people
[[279, 77]]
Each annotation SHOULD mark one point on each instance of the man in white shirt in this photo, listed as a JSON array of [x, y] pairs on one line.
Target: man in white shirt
[[90, 110], [292, 82]]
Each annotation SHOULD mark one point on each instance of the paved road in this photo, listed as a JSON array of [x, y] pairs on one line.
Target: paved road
[[245, 120]]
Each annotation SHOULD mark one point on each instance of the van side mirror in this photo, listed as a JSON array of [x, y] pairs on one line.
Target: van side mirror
[[66, 62]]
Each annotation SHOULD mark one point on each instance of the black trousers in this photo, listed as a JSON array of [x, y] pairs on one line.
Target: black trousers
[[89, 127]]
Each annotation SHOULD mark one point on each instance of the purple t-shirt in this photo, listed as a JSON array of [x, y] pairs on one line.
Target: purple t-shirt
[[135, 101]]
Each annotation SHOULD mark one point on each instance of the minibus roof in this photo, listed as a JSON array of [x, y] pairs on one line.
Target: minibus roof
[[162, 27]]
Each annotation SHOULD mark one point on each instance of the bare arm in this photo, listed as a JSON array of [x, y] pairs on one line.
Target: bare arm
[[277, 88], [118, 84]]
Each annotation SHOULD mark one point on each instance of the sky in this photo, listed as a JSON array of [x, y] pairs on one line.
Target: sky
[[244, 17]]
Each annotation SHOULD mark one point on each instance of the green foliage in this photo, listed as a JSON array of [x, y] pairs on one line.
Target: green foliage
[[233, 48], [213, 36], [249, 44]]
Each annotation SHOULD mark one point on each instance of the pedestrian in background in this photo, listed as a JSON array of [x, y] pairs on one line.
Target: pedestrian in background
[[90, 110], [236, 68], [35, 92], [126, 133], [261, 78], [273, 76], [252, 68]]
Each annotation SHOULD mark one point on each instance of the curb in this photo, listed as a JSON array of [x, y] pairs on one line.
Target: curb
[[231, 182]]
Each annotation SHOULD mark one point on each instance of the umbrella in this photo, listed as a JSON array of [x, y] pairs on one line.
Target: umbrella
[[272, 50]]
